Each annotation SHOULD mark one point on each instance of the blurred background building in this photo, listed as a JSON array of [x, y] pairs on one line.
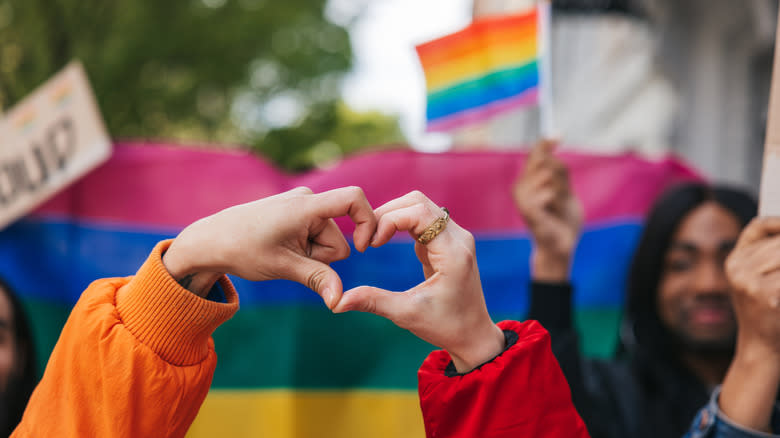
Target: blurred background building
[[654, 76], [305, 82]]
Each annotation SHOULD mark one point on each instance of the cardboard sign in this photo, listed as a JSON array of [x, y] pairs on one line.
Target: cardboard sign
[[769, 197], [49, 140]]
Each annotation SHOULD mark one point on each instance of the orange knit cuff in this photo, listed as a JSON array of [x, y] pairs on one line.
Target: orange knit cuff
[[174, 322]]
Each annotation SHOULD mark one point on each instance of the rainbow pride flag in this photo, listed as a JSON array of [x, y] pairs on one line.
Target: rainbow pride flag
[[485, 69], [289, 368]]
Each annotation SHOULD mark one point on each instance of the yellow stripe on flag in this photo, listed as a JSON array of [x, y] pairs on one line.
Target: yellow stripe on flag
[[309, 414], [478, 64]]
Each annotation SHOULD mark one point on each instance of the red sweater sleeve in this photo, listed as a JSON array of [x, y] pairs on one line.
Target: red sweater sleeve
[[521, 393], [135, 359]]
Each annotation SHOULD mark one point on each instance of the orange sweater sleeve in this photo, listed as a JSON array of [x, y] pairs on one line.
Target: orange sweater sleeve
[[135, 359]]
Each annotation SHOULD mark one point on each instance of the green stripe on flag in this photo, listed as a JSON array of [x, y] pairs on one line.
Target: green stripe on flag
[[308, 347]]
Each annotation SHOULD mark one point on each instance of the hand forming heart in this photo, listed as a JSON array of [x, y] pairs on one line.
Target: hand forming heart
[[293, 236]]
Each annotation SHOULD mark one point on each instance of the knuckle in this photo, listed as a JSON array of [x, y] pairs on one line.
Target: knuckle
[[470, 257], [356, 191], [368, 305], [316, 279], [342, 252], [304, 189], [418, 195], [524, 209], [465, 256], [521, 196], [468, 238], [753, 285], [420, 210], [732, 266], [738, 283]]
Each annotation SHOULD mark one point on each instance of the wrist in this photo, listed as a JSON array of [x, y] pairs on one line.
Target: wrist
[[174, 323], [481, 348], [749, 390], [759, 357], [550, 266], [192, 276]]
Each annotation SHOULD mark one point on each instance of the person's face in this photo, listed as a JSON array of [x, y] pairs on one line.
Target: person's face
[[7, 341], [693, 296]]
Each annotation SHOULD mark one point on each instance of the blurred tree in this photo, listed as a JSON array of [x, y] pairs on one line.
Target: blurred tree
[[258, 72], [326, 134]]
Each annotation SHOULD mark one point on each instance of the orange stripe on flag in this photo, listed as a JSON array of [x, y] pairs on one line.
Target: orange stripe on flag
[[524, 24]]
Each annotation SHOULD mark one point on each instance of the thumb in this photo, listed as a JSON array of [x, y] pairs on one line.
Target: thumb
[[318, 277], [394, 306]]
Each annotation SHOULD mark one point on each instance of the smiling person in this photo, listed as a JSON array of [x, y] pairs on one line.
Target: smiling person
[[745, 406], [136, 356], [678, 333]]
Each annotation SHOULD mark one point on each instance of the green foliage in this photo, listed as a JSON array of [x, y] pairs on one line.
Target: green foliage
[[330, 131], [258, 72]]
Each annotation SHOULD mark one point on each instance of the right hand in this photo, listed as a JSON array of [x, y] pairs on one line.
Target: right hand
[[447, 309], [552, 212]]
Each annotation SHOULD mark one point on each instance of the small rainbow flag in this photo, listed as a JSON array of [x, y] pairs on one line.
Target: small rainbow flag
[[482, 70]]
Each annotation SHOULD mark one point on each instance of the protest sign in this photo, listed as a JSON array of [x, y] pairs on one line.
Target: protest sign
[[769, 198], [49, 140]]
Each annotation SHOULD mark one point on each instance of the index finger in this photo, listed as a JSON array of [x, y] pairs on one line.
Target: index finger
[[352, 202], [416, 219], [759, 228]]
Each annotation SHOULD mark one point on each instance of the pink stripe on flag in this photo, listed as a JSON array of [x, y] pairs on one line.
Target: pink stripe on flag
[[145, 185], [481, 113]]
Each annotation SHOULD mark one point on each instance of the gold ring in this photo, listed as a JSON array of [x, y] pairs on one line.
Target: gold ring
[[435, 228]]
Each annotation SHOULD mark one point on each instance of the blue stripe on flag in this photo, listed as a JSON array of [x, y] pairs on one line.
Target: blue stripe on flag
[[55, 261]]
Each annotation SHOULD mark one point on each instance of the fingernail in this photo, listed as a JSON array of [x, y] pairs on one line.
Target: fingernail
[[330, 297], [340, 307]]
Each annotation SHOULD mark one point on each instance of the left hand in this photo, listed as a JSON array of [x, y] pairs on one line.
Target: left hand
[[753, 268], [750, 388], [447, 309], [287, 236]]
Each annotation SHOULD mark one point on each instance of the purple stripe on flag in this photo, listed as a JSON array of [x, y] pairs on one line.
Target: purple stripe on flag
[[474, 115]]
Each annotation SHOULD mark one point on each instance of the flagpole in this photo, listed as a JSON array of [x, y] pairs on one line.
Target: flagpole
[[547, 128]]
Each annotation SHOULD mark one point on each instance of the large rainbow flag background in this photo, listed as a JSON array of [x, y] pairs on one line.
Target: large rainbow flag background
[[287, 366], [483, 70]]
